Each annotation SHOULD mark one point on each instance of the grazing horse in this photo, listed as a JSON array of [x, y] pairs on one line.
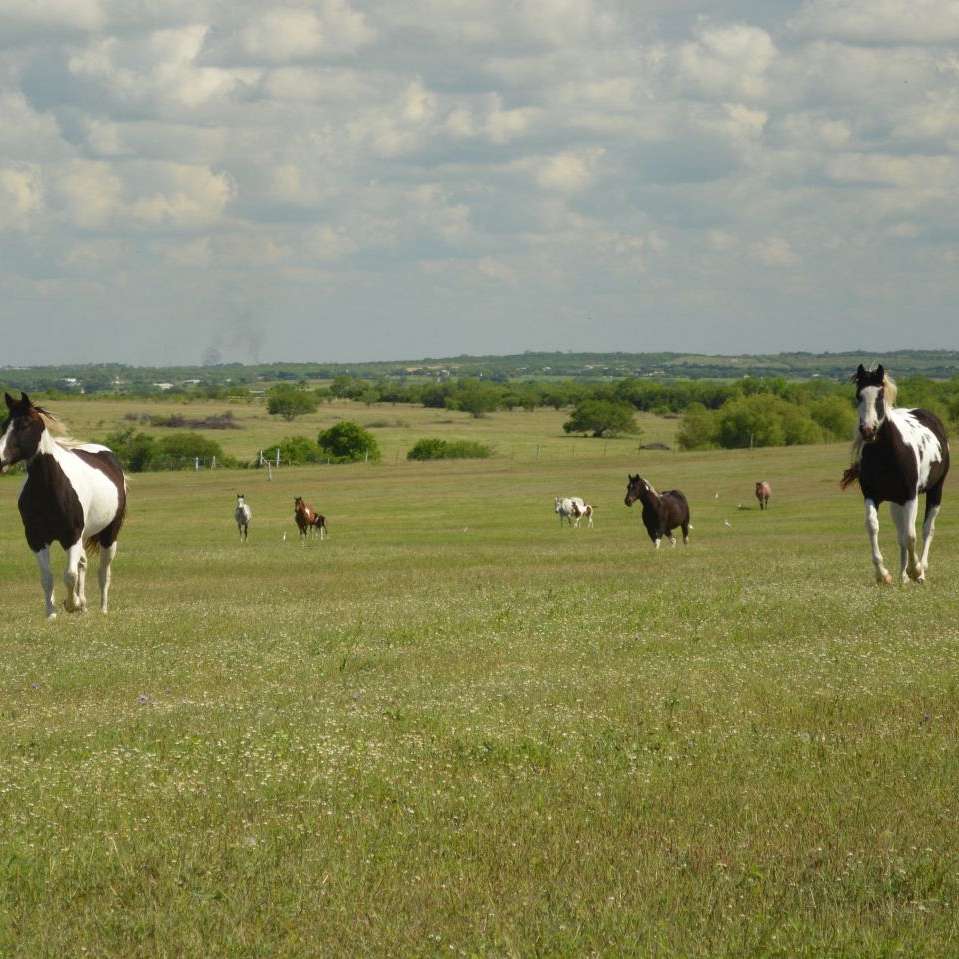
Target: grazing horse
[[308, 519], [242, 514], [74, 495], [763, 492], [573, 507], [898, 454], [662, 512]]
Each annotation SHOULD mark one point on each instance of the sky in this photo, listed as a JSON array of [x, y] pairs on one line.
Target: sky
[[337, 180]]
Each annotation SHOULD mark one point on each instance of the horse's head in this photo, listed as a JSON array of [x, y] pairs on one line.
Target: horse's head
[[874, 390], [240, 499], [21, 431], [297, 504], [636, 488]]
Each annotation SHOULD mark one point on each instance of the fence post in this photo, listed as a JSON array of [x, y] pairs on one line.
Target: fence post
[[269, 471], [213, 464], [196, 463], [278, 457]]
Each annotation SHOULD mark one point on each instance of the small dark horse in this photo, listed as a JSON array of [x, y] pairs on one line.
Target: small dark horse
[[662, 512]]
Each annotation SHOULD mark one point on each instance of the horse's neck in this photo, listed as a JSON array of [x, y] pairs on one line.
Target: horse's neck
[[650, 498]]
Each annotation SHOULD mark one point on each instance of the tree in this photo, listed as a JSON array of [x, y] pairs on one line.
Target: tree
[[698, 428], [289, 402], [601, 418], [348, 441]]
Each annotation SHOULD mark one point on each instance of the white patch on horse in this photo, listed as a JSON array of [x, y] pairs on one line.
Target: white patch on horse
[[919, 438], [97, 493]]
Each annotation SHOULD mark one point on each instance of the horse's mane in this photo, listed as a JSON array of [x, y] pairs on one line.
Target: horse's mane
[[57, 428], [850, 475]]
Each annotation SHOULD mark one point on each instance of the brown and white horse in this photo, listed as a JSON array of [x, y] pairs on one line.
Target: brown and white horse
[[74, 495], [763, 492], [308, 519], [662, 512], [898, 454]]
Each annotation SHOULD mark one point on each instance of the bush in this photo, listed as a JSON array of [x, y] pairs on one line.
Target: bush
[[347, 442], [295, 450], [601, 418], [699, 428], [136, 451], [437, 449], [289, 401]]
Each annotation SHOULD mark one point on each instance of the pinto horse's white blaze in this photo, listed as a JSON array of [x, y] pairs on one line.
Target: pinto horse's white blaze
[[898, 454], [74, 495]]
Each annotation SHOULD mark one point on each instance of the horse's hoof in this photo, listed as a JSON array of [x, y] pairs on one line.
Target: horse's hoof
[[884, 579], [51, 617]]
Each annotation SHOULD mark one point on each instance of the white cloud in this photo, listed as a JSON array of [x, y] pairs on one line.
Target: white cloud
[[728, 61], [21, 197], [880, 21], [288, 33]]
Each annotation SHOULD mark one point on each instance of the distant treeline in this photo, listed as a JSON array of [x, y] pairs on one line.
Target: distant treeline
[[220, 380], [764, 411]]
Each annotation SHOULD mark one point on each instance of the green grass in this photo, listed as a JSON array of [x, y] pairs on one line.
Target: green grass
[[456, 728], [519, 435]]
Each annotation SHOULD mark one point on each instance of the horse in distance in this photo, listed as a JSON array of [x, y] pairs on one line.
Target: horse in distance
[[308, 519], [763, 492], [898, 454], [662, 512], [573, 508], [242, 514], [74, 495]]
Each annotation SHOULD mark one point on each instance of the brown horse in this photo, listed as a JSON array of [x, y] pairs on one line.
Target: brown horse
[[662, 512], [308, 519], [763, 492]]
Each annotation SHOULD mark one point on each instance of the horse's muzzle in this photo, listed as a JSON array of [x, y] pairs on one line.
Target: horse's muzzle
[[628, 501], [868, 433]]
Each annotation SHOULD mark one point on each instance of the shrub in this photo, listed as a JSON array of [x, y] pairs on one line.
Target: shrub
[[295, 450], [437, 449], [290, 401], [601, 418], [347, 441]]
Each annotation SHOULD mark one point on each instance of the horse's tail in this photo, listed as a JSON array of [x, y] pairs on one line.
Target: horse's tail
[[849, 476]]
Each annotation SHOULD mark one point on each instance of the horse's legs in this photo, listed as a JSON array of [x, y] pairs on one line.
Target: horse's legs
[[905, 520], [933, 499], [685, 533], [46, 580], [872, 530], [82, 581], [71, 602], [103, 571]]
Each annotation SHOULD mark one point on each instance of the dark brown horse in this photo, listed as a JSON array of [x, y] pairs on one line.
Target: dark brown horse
[[662, 512], [308, 519]]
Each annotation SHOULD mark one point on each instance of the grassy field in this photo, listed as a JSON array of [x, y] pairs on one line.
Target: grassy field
[[518, 435], [455, 728]]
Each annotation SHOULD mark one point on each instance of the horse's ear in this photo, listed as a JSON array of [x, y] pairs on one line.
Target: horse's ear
[[24, 399], [11, 402], [880, 373]]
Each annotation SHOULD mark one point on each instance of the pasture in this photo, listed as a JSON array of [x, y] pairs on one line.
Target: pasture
[[456, 728]]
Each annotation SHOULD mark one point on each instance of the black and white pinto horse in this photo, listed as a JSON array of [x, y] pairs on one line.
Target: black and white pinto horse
[[74, 495], [662, 512], [242, 514], [898, 454]]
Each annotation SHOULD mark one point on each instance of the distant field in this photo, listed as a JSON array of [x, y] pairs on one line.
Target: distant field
[[455, 728], [517, 435]]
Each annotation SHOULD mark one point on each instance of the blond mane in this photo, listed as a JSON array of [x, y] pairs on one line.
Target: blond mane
[[855, 452]]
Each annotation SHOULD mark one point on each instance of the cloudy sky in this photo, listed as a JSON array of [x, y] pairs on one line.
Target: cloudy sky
[[375, 179]]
